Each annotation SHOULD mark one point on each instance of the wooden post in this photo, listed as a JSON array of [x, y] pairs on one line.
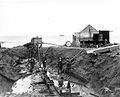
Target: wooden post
[[69, 89], [39, 60]]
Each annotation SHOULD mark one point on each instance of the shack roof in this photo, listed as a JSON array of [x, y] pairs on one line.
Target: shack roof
[[88, 28]]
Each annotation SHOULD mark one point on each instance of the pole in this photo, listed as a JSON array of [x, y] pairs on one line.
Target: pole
[[69, 89], [39, 60], [68, 71]]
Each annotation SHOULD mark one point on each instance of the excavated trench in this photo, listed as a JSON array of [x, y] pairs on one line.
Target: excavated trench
[[99, 72]]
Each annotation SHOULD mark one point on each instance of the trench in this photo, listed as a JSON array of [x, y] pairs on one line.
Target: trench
[[92, 67]]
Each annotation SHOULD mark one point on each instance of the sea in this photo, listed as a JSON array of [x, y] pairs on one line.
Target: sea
[[13, 41]]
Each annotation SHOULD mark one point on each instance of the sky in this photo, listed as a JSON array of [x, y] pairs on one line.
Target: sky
[[22, 19]]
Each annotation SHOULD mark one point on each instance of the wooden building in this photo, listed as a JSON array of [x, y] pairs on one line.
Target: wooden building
[[90, 37]]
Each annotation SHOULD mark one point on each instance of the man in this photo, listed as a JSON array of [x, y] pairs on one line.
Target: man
[[60, 65], [32, 64], [61, 79], [44, 60]]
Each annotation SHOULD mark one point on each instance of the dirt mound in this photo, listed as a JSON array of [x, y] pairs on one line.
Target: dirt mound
[[5, 85], [9, 64], [100, 71], [9, 71]]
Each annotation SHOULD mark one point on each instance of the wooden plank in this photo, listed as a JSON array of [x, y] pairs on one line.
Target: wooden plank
[[103, 49]]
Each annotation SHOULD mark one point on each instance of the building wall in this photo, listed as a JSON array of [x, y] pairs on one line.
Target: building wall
[[87, 33]]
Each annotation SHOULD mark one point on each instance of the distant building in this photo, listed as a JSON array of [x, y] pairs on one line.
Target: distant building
[[90, 36]]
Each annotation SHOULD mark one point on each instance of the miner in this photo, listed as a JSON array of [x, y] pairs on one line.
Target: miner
[[32, 63], [60, 65]]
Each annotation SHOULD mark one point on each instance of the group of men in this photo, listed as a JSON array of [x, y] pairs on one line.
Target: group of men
[[32, 50]]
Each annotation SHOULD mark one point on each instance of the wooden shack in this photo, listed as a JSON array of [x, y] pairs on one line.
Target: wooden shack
[[90, 37]]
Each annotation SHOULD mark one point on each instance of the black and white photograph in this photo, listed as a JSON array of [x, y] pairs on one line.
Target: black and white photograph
[[59, 48]]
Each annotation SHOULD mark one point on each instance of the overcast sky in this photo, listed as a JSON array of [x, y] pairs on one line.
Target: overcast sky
[[55, 17]]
